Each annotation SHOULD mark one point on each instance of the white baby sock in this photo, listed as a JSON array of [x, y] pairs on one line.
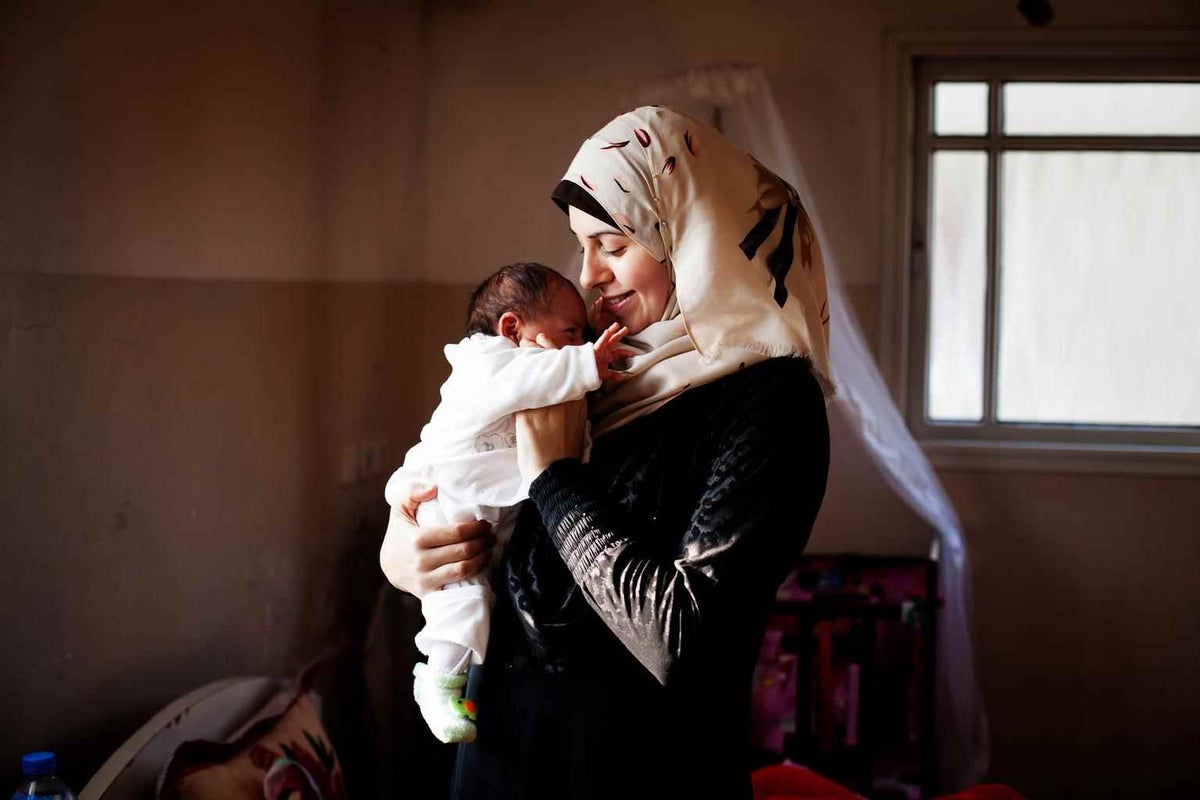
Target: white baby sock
[[438, 688]]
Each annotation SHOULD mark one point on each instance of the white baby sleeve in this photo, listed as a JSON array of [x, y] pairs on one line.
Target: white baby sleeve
[[506, 379]]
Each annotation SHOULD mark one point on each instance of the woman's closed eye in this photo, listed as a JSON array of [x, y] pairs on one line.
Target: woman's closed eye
[[616, 251]]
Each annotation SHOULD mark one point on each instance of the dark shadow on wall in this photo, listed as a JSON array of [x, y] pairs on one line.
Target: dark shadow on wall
[[385, 749]]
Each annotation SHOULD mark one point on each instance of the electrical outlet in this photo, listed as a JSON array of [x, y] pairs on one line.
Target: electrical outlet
[[374, 459], [348, 465]]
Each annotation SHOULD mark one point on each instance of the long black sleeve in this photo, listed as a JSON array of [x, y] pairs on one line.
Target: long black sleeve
[[766, 468]]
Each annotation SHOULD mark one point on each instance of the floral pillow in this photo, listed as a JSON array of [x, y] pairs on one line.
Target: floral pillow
[[283, 757]]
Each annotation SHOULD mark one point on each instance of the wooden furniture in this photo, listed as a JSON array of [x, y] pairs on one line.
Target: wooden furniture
[[861, 634]]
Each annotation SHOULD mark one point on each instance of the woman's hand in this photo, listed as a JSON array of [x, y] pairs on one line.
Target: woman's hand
[[547, 434], [420, 560]]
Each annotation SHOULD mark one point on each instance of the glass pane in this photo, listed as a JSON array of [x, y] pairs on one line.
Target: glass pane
[[957, 286], [1102, 109], [1099, 275], [960, 109]]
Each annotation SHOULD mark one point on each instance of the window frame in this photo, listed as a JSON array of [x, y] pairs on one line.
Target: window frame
[[916, 59]]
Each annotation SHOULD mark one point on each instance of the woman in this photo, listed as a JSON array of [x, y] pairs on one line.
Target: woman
[[636, 588]]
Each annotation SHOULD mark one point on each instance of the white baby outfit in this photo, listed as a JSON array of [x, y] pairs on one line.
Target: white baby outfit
[[468, 450]]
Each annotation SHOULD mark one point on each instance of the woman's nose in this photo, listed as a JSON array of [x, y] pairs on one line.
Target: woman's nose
[[593, 273]]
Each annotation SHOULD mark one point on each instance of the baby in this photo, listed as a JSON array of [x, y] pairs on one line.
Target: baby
[[524, 348]]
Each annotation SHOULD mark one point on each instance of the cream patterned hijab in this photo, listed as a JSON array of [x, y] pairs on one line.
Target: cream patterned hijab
[[747, 266]]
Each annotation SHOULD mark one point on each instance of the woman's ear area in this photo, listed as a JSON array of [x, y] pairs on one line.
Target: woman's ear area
[[509, 326]]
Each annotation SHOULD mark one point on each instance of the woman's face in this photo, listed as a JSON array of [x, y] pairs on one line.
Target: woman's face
[[634, 286]]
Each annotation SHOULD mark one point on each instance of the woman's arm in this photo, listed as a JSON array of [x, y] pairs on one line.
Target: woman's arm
[[763, 488]]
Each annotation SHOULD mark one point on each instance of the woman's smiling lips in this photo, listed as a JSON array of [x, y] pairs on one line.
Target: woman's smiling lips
[[617, 301]]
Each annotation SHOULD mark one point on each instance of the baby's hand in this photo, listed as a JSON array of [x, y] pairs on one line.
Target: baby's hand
[[608, 352], [598, 318]]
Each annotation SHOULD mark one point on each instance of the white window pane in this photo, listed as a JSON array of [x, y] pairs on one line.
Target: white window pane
[[960, 109], [1102, 109], [957, 286], [1099, 279]]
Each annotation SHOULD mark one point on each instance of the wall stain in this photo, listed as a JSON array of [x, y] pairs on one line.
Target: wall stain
[[122, 519]]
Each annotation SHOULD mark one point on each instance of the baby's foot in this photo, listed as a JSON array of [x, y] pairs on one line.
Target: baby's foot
[[449, 715]]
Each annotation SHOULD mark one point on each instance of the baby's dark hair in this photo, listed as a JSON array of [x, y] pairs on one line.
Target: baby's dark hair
[[523, 287]]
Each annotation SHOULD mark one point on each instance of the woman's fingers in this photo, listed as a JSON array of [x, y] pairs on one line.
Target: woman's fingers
[[457, 552], [433, 537], [457, 570], [417, 558]]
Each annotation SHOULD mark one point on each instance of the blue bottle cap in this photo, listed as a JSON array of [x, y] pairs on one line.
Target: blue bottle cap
[[35, 764]]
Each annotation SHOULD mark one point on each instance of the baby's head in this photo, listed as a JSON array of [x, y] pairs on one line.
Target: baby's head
[[524, 299]]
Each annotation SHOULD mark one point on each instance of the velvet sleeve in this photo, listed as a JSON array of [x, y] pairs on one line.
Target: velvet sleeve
[[764, 482]]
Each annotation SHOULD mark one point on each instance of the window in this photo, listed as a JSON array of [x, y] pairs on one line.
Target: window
[[1051, 312]]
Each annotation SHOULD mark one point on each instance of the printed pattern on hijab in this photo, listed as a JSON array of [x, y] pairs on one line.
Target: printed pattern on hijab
[[728, 230], [775, 194]]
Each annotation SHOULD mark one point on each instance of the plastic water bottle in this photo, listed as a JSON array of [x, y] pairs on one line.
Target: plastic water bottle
[[40, 781]]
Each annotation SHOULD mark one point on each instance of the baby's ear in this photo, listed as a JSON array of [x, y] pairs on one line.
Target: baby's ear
[[509, 326]]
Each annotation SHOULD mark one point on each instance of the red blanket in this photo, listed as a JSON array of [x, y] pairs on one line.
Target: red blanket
[[793, 782]]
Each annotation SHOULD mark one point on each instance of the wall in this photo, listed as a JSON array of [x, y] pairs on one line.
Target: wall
[[204, 300], [223, 260], [1087, 619]]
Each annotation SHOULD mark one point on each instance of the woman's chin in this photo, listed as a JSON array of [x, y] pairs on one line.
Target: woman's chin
[[636, 323], [630, 317]]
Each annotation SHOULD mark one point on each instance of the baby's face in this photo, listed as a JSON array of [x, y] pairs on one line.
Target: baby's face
[[564, 322]]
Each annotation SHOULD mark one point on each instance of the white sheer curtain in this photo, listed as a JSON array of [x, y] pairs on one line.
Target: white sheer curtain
[[740, 101]]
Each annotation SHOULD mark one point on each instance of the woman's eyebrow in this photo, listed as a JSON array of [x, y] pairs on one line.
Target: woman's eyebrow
[[608, 233], [598, 234]]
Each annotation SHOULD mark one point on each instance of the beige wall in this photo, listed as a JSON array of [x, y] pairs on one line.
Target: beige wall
[[276, 140], [234, 240], [152, 140], [202, 304]]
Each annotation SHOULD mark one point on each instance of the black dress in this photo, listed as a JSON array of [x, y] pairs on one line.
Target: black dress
[[635, 594]]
